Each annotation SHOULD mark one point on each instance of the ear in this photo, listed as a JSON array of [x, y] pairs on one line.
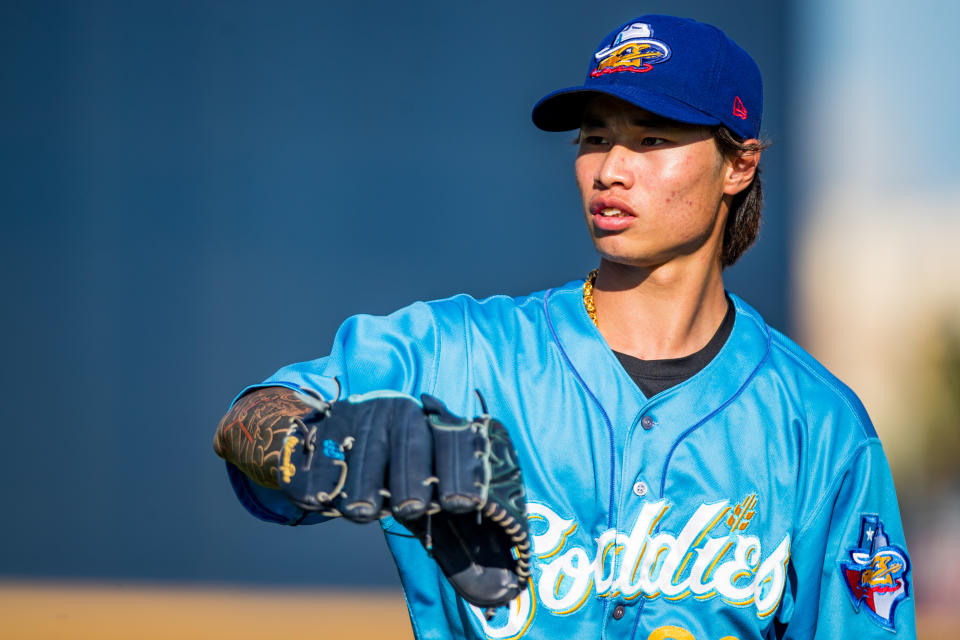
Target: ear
[[741, 169]]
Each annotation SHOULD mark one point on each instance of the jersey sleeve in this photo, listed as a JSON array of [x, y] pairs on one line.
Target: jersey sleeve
[[852, 570], [397, 352]]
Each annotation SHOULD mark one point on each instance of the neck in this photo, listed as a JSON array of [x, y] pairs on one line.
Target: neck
[[654, 313]]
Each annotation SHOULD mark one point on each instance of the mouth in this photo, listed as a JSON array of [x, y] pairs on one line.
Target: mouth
[[611, 217], [611, 212]]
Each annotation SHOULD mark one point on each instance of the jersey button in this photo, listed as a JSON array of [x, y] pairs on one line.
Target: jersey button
[[646, 422], [618, 611], [640, 488]]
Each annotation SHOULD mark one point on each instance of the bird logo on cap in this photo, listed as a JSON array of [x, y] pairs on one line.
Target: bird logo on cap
[[633, 49]]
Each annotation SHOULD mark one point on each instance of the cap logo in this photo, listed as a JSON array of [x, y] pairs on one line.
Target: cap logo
[[738, 109], [633, 50]]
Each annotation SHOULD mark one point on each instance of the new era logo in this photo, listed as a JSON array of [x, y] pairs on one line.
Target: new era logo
[[738, 109]]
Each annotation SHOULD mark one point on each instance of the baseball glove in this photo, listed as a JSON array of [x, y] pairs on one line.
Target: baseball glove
[[454, 483]]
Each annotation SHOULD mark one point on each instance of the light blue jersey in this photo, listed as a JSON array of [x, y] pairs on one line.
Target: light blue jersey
[[752, 500]]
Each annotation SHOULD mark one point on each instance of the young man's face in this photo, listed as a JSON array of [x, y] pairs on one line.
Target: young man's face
[[652, 188]]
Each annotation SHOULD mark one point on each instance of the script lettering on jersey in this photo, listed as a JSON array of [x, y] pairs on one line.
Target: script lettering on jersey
[[710, 556]]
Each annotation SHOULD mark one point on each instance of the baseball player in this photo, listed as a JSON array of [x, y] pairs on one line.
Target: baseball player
[[687, 471]]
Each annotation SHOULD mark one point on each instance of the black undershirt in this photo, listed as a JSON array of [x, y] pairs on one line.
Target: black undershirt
[[654, 376]]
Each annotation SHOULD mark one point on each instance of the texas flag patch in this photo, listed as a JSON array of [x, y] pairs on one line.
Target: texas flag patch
[[876, 575]]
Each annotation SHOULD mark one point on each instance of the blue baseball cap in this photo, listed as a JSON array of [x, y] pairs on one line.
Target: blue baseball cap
[[677, 68]]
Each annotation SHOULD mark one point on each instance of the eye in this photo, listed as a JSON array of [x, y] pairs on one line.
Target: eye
[[651, 141], [593, 141]]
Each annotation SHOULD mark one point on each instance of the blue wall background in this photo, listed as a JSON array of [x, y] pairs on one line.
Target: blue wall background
[[196, 193]]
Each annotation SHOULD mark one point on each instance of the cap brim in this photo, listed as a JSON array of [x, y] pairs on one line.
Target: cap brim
[[563, 110]]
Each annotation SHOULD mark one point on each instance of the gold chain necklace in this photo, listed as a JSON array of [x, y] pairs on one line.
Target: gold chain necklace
[[588, 296]]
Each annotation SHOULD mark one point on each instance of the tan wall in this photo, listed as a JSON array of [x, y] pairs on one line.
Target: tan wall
[[80, 611]]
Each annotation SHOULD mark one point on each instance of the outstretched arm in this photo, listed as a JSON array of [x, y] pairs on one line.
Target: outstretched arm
[[251, 435], [454, 482]]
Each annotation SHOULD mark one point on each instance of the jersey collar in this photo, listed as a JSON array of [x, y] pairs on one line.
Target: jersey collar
[[598, 369]]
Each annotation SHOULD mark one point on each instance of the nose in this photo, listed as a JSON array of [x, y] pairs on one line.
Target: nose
[[615, 169]]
